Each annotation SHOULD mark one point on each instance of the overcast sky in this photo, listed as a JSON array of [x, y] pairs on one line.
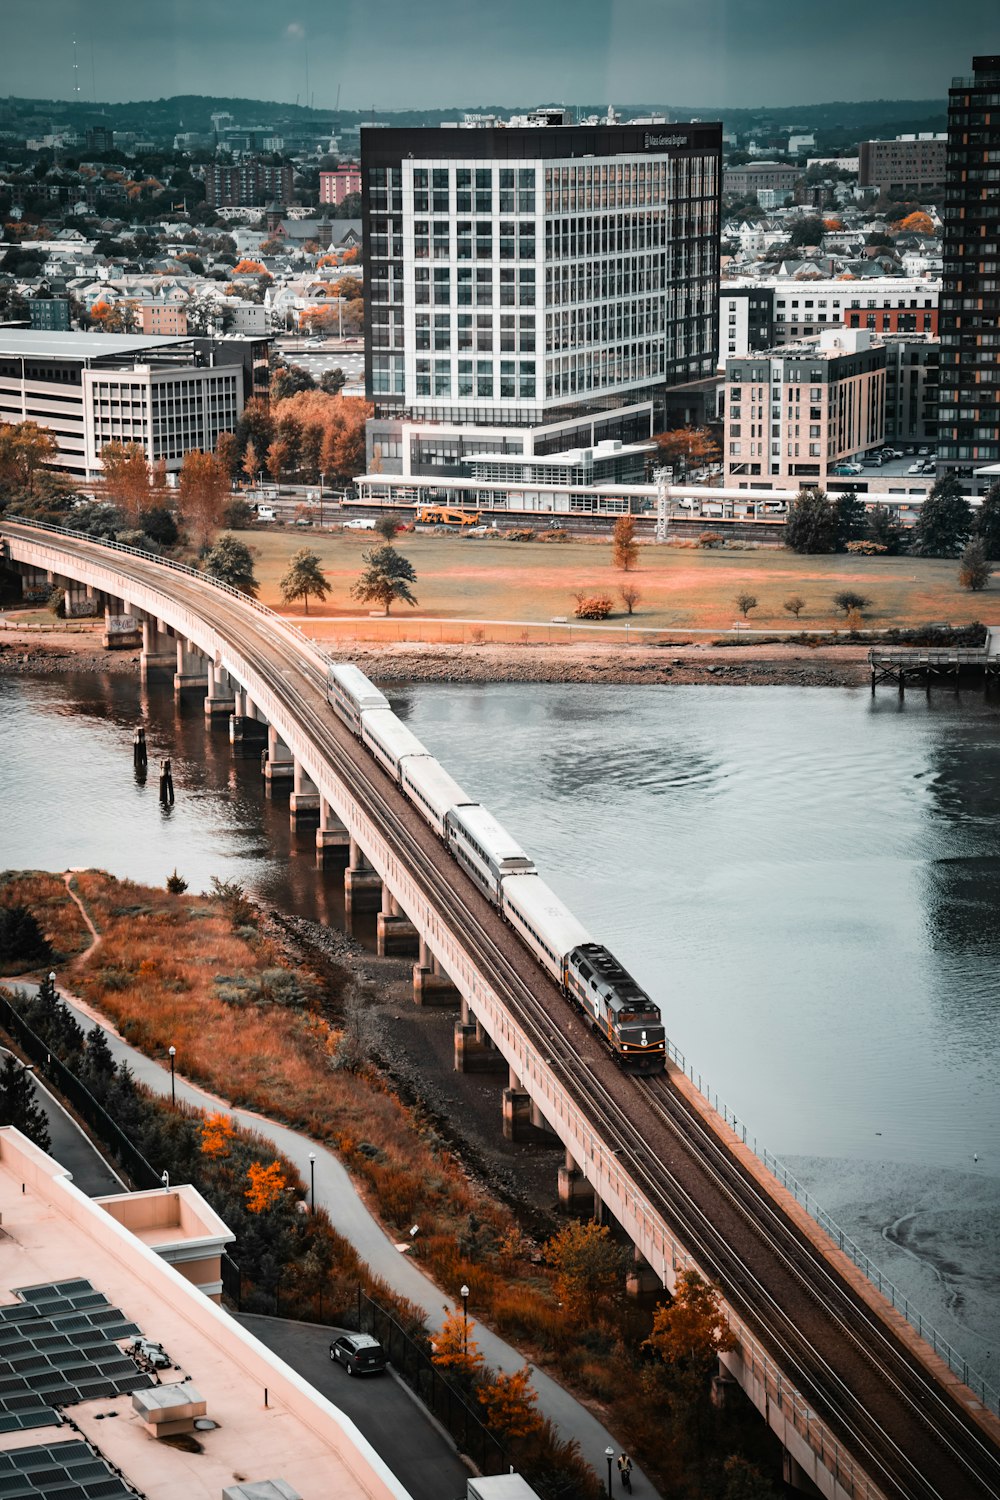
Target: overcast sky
[[400, 53]]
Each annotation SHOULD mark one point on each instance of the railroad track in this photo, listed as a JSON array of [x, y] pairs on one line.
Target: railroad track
[[901, 1426]]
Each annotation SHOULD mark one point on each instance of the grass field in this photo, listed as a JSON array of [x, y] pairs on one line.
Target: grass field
[[680, 588]]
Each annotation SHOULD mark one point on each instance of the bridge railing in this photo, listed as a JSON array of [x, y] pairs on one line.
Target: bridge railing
[[955, 1361], [175, 567]]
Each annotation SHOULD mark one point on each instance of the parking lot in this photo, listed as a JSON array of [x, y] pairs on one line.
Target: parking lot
[[328, 355]]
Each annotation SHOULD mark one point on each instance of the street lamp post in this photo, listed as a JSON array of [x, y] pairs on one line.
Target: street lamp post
[[464, 1293], [609, 1454], [312, 1182], [173, 1091]]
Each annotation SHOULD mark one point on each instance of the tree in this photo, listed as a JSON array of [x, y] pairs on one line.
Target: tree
[[852, 522], [744, 1481], [795, 605], [848, 601], [18, 1105], [588, 1267], [745, 603], [332, 382], [974, 570], [687, 448], [231, 561], [691, 1331], [916, 223], [945, 522], [510, 1405], [288, 380], [884, 530], [126, 478], [387, 577], [279, 456], [812, 523], [98, 1065], [454, 1349], [385, 527], [809, 230], [176, 884], [227, 451], [624, 547], [251, 463], [237, 515], [203, 490], [304, 578], [24, 448], [987, 525], [217, 1135], [630, 597], [265, 1186], [22, 940]]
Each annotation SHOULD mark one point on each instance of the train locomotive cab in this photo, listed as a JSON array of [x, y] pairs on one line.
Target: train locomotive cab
[[621, 1011]]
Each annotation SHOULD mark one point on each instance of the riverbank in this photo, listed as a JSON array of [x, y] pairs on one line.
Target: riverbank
[[771, 663]]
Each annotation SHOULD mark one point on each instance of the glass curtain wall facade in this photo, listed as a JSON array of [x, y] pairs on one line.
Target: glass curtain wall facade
[[969, 323], [529, 275]]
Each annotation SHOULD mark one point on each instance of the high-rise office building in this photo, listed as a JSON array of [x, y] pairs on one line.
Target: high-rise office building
[[534, 288], [969, 413]]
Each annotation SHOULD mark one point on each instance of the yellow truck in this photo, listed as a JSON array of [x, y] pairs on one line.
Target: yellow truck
[[442, 515]]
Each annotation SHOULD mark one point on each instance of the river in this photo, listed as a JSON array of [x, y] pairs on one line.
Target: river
[[806, 880]]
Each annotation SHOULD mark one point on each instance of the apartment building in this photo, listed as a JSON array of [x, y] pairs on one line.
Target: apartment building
[[910, 163], [969, 416], [746, 320], [90, 389], [912, 373], [161, 317], [339, 184], [793, 413], [534, 288], [248, 182], [746, 181], [883, 304]]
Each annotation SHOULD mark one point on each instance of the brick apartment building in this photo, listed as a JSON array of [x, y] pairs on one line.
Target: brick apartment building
[[913, 163], [247, 183]]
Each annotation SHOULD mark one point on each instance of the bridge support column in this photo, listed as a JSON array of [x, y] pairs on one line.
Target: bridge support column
[[395, 933], [642, 1281], [362, 886], [516, 1110], [474, 1051], [220, 698], [431, 985], [158, 652], [277, 763], [79, 601], [245, 724], [539, 1123], [333, 842], [192, 667], [121, 629], [303, 804], [575, 1192]]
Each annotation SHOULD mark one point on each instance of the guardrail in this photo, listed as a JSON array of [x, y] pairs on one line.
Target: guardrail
[[955, 1361]]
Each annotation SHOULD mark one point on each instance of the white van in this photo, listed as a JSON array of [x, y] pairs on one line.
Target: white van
[[265, 512]]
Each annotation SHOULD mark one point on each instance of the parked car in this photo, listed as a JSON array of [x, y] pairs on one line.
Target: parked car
[[358, 1352], [892, 453], [361, 524], [847, 469], [923, 452], [917, 468]]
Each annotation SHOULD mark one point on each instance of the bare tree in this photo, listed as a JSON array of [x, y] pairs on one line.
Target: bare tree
[[794, 605], [745, 603], [630, 597]]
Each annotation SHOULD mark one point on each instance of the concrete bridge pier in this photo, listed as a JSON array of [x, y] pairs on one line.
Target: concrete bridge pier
[[474, 1050], [158, 649], [333, 842], [395, 933], [277, 763], [362, 886], [245, 722], [516, 1110], [431, 985], [642, 1281], [79, 601], [575, 1193], [116, 613], [221, 696], [192, 667], [303, 803]]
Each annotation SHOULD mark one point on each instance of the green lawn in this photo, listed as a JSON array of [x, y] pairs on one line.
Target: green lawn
[[680, 588]]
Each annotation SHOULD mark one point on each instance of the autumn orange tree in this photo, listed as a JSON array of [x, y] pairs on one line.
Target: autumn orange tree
[[203, 489], [588, 1265], [265, 1186], [691, 1331], [217, 1135], [24, 448], [624, 547], [510, 1405], [127, 478], [455, 1350], [915, 223], [250, 268], [687, 448]]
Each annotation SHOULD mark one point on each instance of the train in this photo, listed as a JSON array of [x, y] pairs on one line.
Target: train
[[590, 977]]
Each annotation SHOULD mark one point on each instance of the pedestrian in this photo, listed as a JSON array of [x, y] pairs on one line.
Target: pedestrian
[[625, 1470]]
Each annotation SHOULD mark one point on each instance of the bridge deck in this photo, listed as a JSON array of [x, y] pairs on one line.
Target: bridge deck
[[914, 1436]]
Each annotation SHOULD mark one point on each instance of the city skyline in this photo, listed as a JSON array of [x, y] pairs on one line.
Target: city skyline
[[722, 53]]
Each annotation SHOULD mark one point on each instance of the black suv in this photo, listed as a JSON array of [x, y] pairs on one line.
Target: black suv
[[358, 1352]]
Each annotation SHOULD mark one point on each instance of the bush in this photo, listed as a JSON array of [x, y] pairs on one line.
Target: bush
[[176, 884], [867, 549], [593, 606], [710, 539], [974, 569], [21, 938]]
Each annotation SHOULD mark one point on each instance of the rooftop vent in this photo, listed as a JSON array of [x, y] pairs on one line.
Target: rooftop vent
[[169, 1409]]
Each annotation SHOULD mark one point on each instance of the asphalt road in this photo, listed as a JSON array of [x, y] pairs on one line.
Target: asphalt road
[[397, 1426], [71, 1147]]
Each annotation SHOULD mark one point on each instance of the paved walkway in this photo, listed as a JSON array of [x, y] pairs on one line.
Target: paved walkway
[[337, 1194], [72, 1148]]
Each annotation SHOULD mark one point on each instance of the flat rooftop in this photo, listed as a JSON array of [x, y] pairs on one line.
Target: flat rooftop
[[26, 342], [271, 1424]]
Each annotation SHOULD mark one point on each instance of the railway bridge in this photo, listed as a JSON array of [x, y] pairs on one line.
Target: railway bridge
[[864, 1407]]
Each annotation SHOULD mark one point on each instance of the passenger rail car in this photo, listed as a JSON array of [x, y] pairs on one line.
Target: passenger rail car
[[590, 977]]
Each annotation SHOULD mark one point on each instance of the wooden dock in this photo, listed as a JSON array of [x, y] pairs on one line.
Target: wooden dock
[[910, 666]]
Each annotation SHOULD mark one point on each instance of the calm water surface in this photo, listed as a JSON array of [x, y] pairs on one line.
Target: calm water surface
[[806, 880]]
